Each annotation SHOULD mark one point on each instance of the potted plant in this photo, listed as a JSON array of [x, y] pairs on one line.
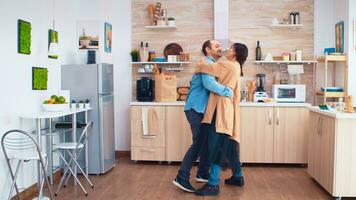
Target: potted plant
[[135, 55], [84, 39], [81, 104], [171, 21], [73, 104], [87, 103]]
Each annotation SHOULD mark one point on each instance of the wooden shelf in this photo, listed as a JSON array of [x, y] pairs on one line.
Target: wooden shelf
[[332, 58], [291, 26], [161, 63], [286, 62], [331, 94], [161, 27]]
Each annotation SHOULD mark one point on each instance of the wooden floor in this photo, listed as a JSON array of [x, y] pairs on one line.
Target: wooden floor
[[146, 181]]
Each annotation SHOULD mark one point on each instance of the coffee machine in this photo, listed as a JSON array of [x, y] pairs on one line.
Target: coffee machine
[[260, 93], [145, 89]]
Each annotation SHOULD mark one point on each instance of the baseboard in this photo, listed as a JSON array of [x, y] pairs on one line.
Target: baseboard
[[32, 191], [122, 154]]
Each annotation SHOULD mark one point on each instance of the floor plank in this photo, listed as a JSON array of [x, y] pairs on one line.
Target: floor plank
[[150, 180]]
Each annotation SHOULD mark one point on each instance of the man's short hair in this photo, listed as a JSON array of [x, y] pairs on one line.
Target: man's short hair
[[205, 45]]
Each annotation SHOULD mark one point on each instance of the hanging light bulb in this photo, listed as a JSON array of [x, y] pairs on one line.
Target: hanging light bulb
[[53, 46]]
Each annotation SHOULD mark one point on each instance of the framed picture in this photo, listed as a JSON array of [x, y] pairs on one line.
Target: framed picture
[[39, 78], [24, 37], [339, 37], [107, 37], [52, 35], [88, 34]]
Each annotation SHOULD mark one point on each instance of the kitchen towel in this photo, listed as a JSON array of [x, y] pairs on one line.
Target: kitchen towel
[[144, 120], [149, 121]]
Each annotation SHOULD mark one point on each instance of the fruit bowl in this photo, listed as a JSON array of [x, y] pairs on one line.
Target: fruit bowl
[[55, 107]]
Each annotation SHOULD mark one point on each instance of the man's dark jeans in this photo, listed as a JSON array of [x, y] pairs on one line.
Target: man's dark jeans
[[196, 149]]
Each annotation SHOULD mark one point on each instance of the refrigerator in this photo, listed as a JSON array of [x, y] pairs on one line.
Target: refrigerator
[[95, 82]]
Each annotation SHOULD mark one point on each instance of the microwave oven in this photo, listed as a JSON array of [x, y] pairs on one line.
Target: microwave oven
[[289, 93]]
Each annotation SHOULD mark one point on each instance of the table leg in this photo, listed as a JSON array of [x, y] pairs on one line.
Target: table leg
[[74, 132], [49, 149], [39, 141], [86, 146]]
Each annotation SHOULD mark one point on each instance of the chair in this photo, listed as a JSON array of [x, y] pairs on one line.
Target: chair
[[22, 147], [73, 150]]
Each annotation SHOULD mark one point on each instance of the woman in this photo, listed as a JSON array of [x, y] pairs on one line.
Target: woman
[[222, 119]]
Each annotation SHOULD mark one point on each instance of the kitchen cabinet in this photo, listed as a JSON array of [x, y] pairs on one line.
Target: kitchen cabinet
[[178, 133], [148, 144], [290, 139], [273, 134], [171, 134], [256, 134], [331, 153]]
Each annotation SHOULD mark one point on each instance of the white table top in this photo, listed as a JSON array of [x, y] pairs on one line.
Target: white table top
[[333, 113], [49, 115]]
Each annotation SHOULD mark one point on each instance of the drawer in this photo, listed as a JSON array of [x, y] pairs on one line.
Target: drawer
[[140, 140], [148, 153]]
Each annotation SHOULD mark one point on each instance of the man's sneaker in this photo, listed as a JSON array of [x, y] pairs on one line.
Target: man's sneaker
[[183, 184], [237, 181], [208, 190], [202, 179]]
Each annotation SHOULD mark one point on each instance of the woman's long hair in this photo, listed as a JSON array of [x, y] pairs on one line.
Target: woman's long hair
[[241, 51]]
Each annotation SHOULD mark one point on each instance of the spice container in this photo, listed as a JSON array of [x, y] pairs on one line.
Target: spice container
[[296, 18], [291, 18], [292, 56], [299, 54], [152, 55], [285, 56]]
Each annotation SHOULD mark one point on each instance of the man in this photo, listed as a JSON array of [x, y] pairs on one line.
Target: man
[[200, 88]]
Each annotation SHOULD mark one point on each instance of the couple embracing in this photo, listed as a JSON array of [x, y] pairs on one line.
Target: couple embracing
[[212, 110]]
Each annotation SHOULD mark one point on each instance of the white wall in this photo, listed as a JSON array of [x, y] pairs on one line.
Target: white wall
[[17, 96], [351, 50]]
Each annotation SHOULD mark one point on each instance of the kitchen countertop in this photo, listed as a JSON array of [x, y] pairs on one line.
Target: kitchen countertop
[[333, 113], [242, 104]]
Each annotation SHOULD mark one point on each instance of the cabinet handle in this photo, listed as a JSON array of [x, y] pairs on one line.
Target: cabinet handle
[[148, 150], [321, 126], [270, 117], [277, 115], [149, 136]]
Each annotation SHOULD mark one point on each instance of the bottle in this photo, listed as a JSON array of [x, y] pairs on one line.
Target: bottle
[[258, 52], [142, 52], [145, 53]]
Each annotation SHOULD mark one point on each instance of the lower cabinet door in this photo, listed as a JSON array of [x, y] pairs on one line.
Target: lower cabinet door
[[256, 134], [290, 138], [327, 152], [148, 153], [178, 133], [314, 148]]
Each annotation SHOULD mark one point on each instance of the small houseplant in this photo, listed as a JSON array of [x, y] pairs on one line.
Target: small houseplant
[[81, 104], [135, 55], [87, 103], [171, 21], [73, 104]]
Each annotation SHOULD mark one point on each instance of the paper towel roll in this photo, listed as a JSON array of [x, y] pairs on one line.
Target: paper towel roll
[[295, 69]]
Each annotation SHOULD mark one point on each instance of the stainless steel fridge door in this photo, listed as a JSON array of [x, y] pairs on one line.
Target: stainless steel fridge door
[[107, 130], [106, 76]]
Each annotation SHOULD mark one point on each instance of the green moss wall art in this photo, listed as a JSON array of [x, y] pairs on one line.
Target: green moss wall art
[[52, 34], [39, 78], [24, 37]]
